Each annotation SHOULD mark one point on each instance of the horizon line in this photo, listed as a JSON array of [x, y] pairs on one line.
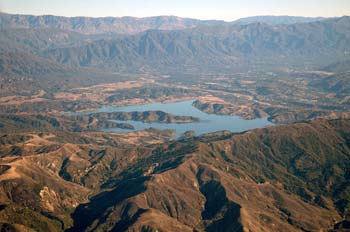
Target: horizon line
[[183, 17]]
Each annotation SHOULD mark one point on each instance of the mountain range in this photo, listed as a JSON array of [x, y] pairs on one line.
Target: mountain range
[[220, 46], [88, 25], [131, 25], [167, 44]]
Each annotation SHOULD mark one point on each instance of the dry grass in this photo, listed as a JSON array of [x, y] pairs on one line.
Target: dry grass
[[16, 100], [98, 93]]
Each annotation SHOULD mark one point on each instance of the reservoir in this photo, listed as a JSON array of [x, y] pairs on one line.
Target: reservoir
[[208, 122]]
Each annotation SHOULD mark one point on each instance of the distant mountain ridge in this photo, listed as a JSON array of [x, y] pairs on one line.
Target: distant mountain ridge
[[132, 25], [274, 20], [89, 25], [214, 46]]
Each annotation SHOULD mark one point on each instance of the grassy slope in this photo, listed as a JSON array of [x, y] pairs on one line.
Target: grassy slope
[[291, 178]]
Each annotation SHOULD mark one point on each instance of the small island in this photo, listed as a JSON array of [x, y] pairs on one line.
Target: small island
[[96, 121], [146, 117]]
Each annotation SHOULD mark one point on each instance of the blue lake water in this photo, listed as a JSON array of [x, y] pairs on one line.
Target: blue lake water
[[208, 122]]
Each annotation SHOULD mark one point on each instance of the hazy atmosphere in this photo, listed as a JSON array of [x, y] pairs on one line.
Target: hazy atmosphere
[[202, 9]]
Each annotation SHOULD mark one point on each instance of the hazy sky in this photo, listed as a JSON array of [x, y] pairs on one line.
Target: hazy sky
[[202, 9]]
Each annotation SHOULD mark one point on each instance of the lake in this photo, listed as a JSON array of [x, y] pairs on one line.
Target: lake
[[208, 122]]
